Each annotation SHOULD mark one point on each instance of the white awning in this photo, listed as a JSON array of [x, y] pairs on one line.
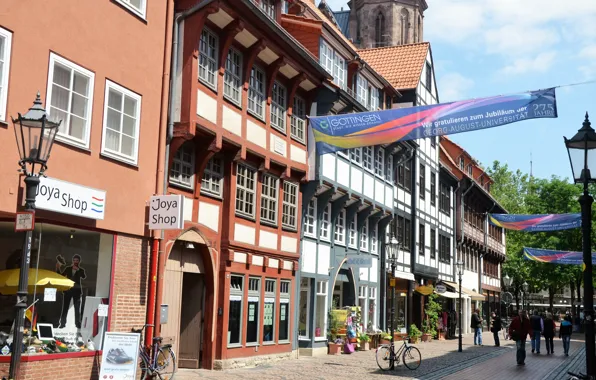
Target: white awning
[[404, 275], [450, 295]]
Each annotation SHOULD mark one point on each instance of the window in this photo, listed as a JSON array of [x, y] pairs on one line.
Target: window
[[310, 218], [5, 48], [334, 64], [362, 301], [246, 186], [290, 206], [433, 141], [429, 77], [433, 243], [269, 191], [284, 310], [268, 7], [70, 99], [304, 312], [122, 114], [389, 169], [373, 240], [380, 30], [461, 163], [353, 233], [325, 222], [213, 176], [404, 175], [356, 155], [404, 229], [252, 324], [380, 161], [183, 166], [421, 239], [470, 170], [321, 309], [284, 6], [256, 93], [297, 120], [373, 99], [433, 188], [233, 77], [269, 311], [405, 22], [362, 90], [367, 157], [339, 235], [444, 249], [208, 48], [422, 181], [372, 307], [235, 309], [364, 236], [278, 107], [445, 198], [139, 7]]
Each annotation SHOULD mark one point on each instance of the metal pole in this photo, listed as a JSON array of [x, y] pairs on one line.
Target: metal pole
[[392, 361], [586, 205], [31, 183], [459, 344]]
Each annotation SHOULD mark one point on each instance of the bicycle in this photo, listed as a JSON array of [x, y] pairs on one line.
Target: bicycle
[[505, 332], [579, 376], [157, 361], [386, 355]]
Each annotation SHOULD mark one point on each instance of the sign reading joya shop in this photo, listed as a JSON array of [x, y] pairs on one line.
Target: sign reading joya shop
[[69, 198]]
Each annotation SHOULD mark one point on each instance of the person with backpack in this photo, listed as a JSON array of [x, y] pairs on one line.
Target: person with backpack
[[518, 331], [549, 333], [565, 332], [496, 329]]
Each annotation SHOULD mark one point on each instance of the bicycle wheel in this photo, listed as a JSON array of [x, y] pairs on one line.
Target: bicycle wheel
[[383, 357], [504, 331], [412, 358], [144, 366], [165, 363]]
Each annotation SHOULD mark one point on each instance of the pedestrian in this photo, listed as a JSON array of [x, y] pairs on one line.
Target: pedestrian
[[497, 326], [518, 331], [537, 325], [565, 332], [477, 326], [549, 333]]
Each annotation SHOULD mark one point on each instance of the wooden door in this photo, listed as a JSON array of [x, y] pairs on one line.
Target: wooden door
[[191, 320]]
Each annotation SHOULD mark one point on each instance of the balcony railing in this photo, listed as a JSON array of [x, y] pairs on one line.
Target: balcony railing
[[478, 235]]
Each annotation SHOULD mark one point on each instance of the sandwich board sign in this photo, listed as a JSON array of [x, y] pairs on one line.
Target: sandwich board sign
[[120, 357]]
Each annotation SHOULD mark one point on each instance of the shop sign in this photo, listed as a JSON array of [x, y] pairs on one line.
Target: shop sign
[[425, 290], [359, 261], [120, 356], [166, 212], [70, 198], [440, 289]]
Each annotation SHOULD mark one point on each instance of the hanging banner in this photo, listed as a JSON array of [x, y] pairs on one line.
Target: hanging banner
[[536, 223], [555, 257], [338, 132]]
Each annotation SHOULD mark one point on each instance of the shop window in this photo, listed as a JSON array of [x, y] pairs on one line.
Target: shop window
[[235, 309], [208, 48], [85, 257], [310, 218], [304, 316], [269, 312], [284, 311], [321, 309], [252, 324]]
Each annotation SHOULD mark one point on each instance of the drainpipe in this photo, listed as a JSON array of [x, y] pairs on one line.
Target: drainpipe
[[413, 253], [481, 258], [454, 243], [462, 217], [160, 259]]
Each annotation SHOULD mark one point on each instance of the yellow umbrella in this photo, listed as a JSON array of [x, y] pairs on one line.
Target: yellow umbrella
[[39, 279]]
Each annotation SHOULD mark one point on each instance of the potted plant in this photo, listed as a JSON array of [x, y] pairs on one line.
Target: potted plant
[[336, 346], [364, 341], [385, 338], [432, 310], [414, 334]]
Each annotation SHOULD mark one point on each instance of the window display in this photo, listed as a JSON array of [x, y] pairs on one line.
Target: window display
[[59, 254]]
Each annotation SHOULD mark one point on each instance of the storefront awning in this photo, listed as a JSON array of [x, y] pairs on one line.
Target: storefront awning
[[449, 295], [404, 275], [472, 294]]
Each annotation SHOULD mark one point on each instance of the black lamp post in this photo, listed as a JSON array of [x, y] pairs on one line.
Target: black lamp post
[[525, 288], [35, 135], [460, 270], [392, 252], [507, 281], [582, 155]]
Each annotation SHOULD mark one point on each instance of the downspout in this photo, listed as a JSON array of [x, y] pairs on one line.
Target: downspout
[[170, 133], [411, 284], [481, 257], [454, 243], [462, 219]]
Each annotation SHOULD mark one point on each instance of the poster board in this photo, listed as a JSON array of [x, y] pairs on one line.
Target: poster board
[[120, 356]]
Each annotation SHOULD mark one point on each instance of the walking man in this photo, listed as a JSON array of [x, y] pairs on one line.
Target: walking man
[[518, 331], [477, 326], [496, 329], [537, 325], [565, 332], [549, 333]]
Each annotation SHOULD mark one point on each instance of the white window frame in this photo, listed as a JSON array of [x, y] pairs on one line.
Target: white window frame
[[278, 109], [372, 295], [362, 90], [289, 218], [356, 156], [353, 234], [4, 79], [284, 298], [297, 121], [368, 158], [256, 95], [324, 233], [321, 291], [240, 293], [374, 240], [339, 235], [269, 197], [268, 7], [246, 191], [310, 219], [176, 180], [110, 153], [379, 162], [141, 12], [363, 295], [305, 286], [333, 63], [389, 169], [211, 175], [233, 81], [54, 58], [210, 60], [364, 236], [268, 296]]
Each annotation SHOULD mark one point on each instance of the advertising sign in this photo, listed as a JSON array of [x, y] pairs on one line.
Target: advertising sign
[[440, 288], [70, 198], [166, 212], [359, 261], [536, 223], [120, 356]]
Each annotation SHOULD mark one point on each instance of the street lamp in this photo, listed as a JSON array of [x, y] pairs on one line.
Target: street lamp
[[525, 288], [507, 281], [392, 252], [460, 270], [582, 156], [34, 134]]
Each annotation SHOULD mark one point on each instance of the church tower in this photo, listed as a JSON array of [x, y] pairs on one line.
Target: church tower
[[378, 23]]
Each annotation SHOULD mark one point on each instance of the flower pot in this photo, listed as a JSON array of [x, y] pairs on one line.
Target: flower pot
[[426, 337], [414, 340], [335, 349], [442, 335], [364, 346], [353, 340]]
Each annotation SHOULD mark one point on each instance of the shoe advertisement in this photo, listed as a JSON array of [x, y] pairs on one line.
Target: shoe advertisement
[[120, 356]]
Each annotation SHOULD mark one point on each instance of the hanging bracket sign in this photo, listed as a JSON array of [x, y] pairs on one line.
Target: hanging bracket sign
[[166, 212], [440, 288]]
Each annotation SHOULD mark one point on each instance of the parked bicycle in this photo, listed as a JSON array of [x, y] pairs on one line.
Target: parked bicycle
[[579, 376], [505, 331], [157, 361], [387, 356]]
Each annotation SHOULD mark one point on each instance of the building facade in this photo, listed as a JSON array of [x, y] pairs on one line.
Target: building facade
[[102, 169]]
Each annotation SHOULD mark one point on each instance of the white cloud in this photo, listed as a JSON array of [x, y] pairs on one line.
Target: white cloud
[[514, 39], [540, 64], [454, 86], [587, 56]]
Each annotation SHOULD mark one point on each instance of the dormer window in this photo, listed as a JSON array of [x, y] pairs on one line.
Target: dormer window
[[268, 7], [462, 163], [470, 170]]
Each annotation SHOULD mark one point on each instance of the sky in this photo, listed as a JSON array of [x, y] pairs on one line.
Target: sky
[[492, 47]]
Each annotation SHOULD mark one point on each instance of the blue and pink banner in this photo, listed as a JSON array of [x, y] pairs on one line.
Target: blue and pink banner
[[536, 223], [338, 132], [555, 257]]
